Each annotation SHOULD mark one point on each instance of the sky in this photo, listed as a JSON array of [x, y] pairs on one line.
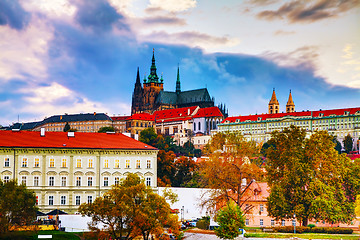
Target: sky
[[81, 56]]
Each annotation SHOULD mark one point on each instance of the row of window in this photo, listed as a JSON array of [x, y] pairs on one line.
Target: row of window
[[64, 202], [261, 222], [90, 163], [78, 181]]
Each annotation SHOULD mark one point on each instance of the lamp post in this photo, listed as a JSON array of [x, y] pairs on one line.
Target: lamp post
[[294, 223]]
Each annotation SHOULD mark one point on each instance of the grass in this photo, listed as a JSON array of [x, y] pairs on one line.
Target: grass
[[302, 235], [30, 235]]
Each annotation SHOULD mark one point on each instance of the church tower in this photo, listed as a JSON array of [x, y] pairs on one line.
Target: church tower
[[137, 97], [152, 87], [290, 106], [178, 88], [273, 104]]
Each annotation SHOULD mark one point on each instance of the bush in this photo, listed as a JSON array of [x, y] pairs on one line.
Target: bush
[[311, 225], [308, 229], [203, 223]]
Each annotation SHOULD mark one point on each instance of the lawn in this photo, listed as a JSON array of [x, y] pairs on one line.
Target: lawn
[[28, 235], [302, 235]]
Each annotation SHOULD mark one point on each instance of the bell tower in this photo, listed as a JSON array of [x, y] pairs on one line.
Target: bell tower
[[290, 105], [273, 104]]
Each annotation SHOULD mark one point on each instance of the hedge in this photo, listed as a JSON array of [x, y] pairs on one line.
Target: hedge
[[301, 229]]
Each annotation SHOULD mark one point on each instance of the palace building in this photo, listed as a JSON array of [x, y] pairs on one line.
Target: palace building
[[258, 127], [151, 96], [65, 169]]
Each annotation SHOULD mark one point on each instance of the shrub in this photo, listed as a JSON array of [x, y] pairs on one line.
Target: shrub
[[311, 225], [203, 224]]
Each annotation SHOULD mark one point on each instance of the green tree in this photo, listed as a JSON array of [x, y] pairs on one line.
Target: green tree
[[338, 146], [66, 127], [229, 172], [148, 136], [129, 209], [184, 168], [106, 129], [306, 177], [230, 219], [348, 143], [17, 205]]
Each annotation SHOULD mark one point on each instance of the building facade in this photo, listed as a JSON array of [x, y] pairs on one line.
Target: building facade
[[151, 96], [67, 169]]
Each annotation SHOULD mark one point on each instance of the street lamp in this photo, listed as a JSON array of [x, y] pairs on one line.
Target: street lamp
[[294, 223]]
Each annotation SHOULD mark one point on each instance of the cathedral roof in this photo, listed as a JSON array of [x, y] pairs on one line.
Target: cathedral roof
[[30, 139], [197, 95]]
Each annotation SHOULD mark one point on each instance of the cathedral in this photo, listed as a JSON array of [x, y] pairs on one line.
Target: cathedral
[[151, 96]]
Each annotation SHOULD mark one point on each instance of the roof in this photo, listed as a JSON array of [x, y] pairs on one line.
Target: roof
[[184, 97], [120, 118], [77, 117], [209, 112], [320, 113], [142, 116], [175, 114], [262, 191], [29, 139], [166, 97]]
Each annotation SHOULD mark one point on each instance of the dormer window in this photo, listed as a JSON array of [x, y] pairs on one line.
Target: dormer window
[[259, 119], [346, 113], [321, 114]]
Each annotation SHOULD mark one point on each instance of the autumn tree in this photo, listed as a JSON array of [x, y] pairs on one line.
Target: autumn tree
[[357, 206], [229, 172], [306, 177], [128, 210], [165, 168], [17, 205], [184, 169], [348, 143], [230, 219]]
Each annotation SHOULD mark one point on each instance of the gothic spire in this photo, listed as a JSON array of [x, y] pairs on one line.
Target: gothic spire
[[153, 76], [178, 88], [138, 77]]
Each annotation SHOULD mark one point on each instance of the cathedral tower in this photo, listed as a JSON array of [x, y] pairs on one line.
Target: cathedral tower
[[178, 88], [290, 106], [273, 104], [137, 97]]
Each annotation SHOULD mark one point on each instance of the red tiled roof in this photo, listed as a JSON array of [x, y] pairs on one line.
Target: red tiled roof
[[142, 116], [120, 118], [175, 113], [262, 190], [208, 112], [263, 117], [29, 139]]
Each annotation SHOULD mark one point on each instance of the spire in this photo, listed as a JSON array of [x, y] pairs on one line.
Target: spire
[[138, 77], [273, 104], [178, 88], [290, 106], [153, 76]]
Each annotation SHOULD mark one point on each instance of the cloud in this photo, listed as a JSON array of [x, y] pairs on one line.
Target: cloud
[[12, 14], [308, 11], [191, 38], [99, 15], [164, 20], [57, 9], [281, 32], [173, 5]]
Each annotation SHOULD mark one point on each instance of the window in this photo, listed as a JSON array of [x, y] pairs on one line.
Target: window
[[7, 162], [138, 163], [247, 222], [63, 181], [52, 162], [63, 200], [6, 179], [90, 181], [127, 164], [89, 199], [148, 181], [36, 181], [51, 200], [261, 222], [23, 180], [78, 163], [106, 163], [78, 181], [63, 162], [261, 207], [282, 222], [117, 163], [77, 200], [51, 181], [36, 162], [117, 180], [106, 181], [272, 222], [90, 163], [24, 162], [148, 163]]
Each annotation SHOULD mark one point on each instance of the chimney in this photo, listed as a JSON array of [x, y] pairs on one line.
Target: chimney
[[42, 132]]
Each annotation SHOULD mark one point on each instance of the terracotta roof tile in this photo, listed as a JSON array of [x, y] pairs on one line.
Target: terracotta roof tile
[[80, 140], [208, 112], [142, 116]]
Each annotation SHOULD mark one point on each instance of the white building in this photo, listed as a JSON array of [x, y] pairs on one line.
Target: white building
[[67, 169]]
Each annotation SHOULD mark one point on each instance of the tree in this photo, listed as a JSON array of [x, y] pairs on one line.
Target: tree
[[66, 127], [306, 177], [165, 168], [148, 136], [184, 168], [338, 146], [229, 172], [348, 143], [17, 205], [357, 208], [106, 129], [128, 210], [230, 219]]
